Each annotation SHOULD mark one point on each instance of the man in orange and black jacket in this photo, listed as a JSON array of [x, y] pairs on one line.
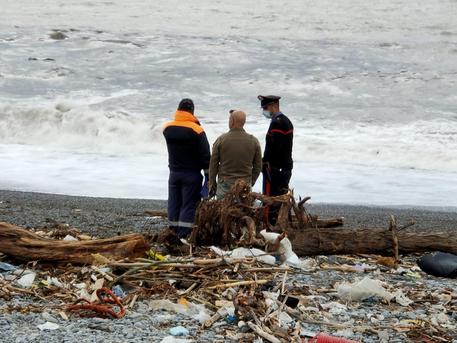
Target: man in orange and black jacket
[[188, 155]]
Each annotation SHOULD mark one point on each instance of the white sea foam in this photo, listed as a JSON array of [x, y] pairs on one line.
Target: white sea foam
[[81, 129], [427, 145]]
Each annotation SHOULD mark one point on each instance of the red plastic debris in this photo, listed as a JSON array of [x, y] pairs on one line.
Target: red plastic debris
[[104, 308], [323, 338]]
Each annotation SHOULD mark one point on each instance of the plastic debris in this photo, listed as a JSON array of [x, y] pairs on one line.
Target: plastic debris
[[172, 339], [334, 308], [413, 275], [285, 248], [48, 326], [69, 238], [118, 291], [108, 306], [195, 311], [53, 281], [6, 267], [361, 268], [155, 255], [323, 338], [27, 280], [362, 290], [439, 264], [179, 331], [230, 319], [402, 299], [245, 252]]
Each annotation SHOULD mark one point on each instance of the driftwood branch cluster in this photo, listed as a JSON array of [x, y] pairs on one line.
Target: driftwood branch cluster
[[236, 221]]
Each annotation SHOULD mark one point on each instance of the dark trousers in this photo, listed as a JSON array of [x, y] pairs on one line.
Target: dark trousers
[[183, 197], [275, 182]]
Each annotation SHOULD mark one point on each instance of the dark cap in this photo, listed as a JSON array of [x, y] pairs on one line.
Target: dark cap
[[268, 99], [186, 105]]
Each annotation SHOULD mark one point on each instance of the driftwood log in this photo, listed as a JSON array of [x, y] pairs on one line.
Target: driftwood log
[[25, 245], [233, 220], [369, 241]]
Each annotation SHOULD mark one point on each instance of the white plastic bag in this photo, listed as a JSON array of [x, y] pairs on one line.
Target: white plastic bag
[[26, 281], [195, 311], [363, 289], [245, 252], [285, 248]]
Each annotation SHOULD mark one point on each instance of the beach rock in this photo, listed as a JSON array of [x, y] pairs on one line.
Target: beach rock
[[57, 35]]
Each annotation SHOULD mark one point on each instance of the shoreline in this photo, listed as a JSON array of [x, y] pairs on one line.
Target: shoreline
[[110, 216]]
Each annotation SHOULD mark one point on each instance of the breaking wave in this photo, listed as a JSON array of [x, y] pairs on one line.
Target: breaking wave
[[427, 145], [79, 128]]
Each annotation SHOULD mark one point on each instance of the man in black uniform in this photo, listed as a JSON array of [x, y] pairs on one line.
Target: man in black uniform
[[277, 158]]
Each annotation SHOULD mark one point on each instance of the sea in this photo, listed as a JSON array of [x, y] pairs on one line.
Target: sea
[[370, 86]]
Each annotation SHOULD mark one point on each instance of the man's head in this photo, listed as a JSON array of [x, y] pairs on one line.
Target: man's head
[[269, 104], [186, 105], [237, 119]]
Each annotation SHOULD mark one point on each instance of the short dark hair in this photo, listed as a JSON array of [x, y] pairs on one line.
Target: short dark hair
[[186, 105]]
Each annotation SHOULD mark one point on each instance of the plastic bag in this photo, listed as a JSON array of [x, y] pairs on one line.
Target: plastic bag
[[245, 252], [439, 264], [363, 289]]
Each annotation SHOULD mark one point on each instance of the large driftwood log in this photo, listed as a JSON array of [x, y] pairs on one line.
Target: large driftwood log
[[368, 241], [25, 245], [224, 222]]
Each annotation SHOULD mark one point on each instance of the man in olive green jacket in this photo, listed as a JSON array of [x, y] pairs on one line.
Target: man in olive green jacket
[[236, 155]]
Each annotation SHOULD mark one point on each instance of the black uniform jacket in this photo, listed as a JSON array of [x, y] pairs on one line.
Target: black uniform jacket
[[279, 141]]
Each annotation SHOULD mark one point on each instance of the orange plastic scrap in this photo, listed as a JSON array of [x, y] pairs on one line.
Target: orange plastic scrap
[[104, 308]]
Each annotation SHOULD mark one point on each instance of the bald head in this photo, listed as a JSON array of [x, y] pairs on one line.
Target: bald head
[[237, 119]]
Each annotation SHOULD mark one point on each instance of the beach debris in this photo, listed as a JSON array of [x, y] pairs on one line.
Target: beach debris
[[69, 238], [362, 290], [401, 298], [439, 264], [54, 281], [235, 221], [118, 291], [324, 338], [179, 331], [25, 245], [104, 307], [172, 339], [6, 267], [48, 326], [241, 297], [26, 281], [191, 310], [246, 252]]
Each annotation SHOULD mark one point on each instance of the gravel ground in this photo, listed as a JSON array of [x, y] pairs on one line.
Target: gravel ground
[[108, 216]]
